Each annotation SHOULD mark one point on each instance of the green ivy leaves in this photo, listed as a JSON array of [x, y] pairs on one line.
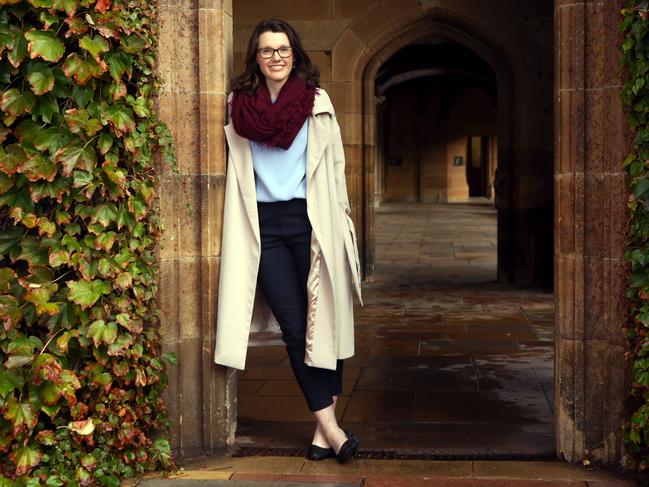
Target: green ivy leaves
[[81, 373], [44, 44], [86, 293], [635, 96], [94, 45]]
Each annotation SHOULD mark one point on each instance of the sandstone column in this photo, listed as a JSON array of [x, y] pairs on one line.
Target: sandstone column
[[590, 206], [195, 56]]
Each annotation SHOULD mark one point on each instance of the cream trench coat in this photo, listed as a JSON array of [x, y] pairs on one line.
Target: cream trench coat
[[335, 267]]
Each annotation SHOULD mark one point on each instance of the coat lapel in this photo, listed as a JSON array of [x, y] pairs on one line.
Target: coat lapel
[[318, 136], [241, 159]]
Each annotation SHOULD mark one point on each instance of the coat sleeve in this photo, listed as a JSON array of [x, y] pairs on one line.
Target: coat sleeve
[[339, 165]]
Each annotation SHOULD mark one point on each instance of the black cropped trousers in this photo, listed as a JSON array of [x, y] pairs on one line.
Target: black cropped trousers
[[283, 270]]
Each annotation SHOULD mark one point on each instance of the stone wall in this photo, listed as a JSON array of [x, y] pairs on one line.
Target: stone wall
[[590, 208], [195, 55]]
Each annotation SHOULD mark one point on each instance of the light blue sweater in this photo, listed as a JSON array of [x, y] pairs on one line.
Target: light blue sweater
[[280, 175]]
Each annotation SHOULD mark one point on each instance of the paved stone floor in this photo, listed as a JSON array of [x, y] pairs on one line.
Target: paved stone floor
[[269, 471], [448, 364]]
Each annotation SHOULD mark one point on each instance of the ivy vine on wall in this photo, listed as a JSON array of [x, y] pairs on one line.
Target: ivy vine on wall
[[635, 96], [82, 369]]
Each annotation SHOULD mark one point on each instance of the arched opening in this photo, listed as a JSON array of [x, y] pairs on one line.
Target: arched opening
[[436, 125]]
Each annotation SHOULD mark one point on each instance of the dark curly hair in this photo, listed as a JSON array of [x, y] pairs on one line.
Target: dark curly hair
[[251, 78]]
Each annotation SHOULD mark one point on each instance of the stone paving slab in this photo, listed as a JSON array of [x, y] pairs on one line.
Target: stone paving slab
[[409, 468], [379, 481], [298, 472], [239, 483], [424, 482], [383, 481], [319, 479]]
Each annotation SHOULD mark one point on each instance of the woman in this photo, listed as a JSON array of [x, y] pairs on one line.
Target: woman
[[287, 236]]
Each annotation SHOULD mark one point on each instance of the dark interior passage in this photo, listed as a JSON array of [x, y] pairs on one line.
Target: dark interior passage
[[438, 124]]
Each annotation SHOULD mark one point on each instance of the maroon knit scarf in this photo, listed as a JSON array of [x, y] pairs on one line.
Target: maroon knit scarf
[[256, 118]]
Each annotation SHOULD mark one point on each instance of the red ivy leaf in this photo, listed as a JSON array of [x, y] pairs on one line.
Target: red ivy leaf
[[6, 439], [79, 410], [89, 463], [102, 5], [47, 367], [120, 369]]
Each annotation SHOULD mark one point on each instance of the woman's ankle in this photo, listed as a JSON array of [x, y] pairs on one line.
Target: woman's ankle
[[319, 439], [336, 438]]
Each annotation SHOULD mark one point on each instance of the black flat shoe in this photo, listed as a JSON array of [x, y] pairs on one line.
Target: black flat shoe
[[347, 449], [318, 453]]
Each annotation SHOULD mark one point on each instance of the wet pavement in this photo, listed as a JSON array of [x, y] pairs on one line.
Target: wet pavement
[[448, 364]]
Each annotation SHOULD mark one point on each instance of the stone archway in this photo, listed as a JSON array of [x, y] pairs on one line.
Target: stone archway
[[370, 40], [419, 31], [590, 188]]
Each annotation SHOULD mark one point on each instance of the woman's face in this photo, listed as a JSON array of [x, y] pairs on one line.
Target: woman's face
[[276, 68]]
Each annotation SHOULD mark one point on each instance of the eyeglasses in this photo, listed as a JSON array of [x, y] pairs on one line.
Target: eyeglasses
[[269, 52]]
